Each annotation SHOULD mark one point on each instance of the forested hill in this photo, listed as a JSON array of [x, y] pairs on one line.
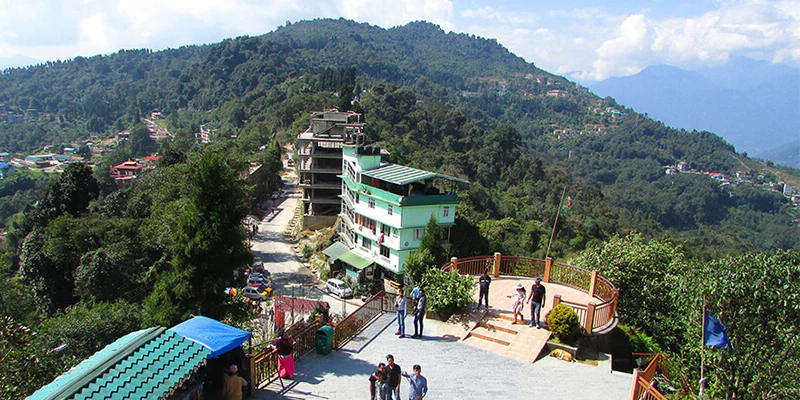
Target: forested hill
[[450, 102]]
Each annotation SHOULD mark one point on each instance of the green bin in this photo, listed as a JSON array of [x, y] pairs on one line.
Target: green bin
[[324, 340]]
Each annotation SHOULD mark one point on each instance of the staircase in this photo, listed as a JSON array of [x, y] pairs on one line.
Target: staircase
[[496, 332]]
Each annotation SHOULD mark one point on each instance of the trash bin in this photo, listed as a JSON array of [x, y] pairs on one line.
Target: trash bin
[[324, 339]]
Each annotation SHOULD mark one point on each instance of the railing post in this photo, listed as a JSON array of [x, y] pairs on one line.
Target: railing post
[[589, 317], [593, 283], [252, 382], [614, 303], [454, 264], [634, 385], [548, 264], [497, 258], [556, 300]]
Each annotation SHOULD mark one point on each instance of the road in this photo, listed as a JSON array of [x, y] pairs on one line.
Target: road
[[271, 247]]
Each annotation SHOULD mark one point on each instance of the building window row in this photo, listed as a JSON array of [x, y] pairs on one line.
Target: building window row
[[385, 251]]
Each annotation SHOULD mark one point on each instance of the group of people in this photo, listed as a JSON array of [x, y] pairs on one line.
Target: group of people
[[419, 307], [384, 384], [536, 298]]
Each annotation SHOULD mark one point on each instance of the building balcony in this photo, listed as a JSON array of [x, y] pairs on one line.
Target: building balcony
[[322, 200], [318, 154], [319, 170], [321, 185]]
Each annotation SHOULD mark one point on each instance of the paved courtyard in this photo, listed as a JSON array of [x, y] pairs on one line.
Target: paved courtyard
[[454, 371]]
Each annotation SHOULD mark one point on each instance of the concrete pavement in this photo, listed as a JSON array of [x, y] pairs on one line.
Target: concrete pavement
[[454, 371]]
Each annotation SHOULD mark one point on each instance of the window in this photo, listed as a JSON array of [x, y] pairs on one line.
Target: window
[[389, 209], [418, 233], [358, 198], [371, 203], [446, 211], [366, 243], [394, 232], [385, 251], [385, 229]]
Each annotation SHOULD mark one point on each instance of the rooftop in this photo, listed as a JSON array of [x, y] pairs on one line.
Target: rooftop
[[402, 175]]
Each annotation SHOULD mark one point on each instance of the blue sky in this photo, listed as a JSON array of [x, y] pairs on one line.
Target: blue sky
[[585, 40]]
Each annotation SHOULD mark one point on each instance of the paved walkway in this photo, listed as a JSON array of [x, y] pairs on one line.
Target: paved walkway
[[454, 371]]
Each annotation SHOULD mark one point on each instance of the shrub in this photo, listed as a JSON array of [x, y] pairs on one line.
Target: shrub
[[307, 251], [447, 292], [563, 322]]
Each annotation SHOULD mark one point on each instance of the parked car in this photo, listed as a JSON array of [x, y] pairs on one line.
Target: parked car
[[253, 293], [338, 288], [256, 280]]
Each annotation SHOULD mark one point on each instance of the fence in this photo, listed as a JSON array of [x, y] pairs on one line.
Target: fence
[[642, 387], [264, 365], [594, 318], [347, 328]]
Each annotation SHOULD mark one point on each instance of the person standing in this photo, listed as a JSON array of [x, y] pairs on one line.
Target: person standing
[[519, 302], [483, 286], [381, 390], [419, 385], [401, 305], [373, 377], [419, 313], [393, 374], [536, 298], [233, 384]]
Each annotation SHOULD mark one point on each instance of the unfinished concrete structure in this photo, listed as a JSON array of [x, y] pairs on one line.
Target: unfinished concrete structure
[[319, 152]]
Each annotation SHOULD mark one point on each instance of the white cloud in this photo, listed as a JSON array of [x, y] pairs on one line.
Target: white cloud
[[388, 13]]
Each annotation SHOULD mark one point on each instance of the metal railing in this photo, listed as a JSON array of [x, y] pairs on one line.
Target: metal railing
[[349, 327], [591, 282]]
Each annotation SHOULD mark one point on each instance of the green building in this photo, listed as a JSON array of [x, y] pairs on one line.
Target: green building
[[385, 208]]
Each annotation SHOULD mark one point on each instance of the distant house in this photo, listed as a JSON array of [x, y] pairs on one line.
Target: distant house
[[557, 93], [151, 160], [789, 190], [40, 160], [123, 135], [126, 171]]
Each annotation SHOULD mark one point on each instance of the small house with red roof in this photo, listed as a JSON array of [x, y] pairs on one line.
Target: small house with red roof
[[126, 171]]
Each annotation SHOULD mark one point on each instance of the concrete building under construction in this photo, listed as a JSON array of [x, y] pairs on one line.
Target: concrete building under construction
[[319, 153]]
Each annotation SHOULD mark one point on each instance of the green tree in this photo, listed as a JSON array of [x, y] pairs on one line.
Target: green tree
[[757, 296], [418, 262], [88, 327], [432, 240], [141, 144], [204, 240], [649, 276]]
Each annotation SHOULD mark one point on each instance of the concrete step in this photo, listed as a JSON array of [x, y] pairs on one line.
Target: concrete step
[[481, 334]]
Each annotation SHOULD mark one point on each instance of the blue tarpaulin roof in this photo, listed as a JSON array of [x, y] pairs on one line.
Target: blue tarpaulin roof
[[214, 335]]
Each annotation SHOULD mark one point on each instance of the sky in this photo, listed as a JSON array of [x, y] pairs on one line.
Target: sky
[[584, 40]]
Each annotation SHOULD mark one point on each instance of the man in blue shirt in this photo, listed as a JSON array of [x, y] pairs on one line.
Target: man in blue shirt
[[418, 384]]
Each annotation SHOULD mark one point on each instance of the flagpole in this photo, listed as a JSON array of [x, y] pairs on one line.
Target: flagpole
[[702, 347], [553, 232], [558, 213]]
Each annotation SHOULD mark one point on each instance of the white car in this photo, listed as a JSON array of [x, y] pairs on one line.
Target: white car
[[338, 288], [253, 293]]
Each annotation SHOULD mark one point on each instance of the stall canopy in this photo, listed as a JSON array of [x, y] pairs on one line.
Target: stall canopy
[[219, 338]]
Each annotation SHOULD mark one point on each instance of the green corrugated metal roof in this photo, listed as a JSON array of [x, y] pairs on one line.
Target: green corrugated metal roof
[[398, 174], [146, 364], [335, 250], [355, 260], [402, 175]]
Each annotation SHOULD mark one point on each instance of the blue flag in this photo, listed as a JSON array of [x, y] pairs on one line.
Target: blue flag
[[714, 332]]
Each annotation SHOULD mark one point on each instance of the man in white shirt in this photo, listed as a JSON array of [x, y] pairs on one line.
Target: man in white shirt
[[401, 305]]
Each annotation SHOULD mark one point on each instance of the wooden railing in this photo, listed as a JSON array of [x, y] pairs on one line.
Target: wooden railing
[[595, 318], [642, 385], [264, 365], [348, 327]]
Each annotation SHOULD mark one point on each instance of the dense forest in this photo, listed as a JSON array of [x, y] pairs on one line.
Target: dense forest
[[449, 102], [452, 103]]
